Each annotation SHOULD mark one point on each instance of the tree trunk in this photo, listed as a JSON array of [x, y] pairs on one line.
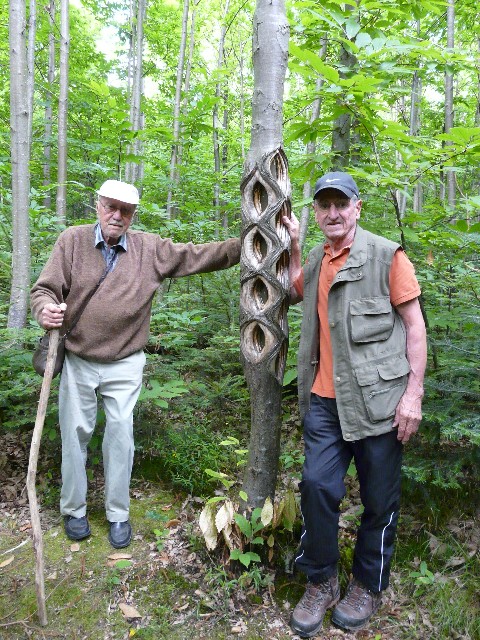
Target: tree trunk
[[174, 177], [311, 147], [133, 169], [415, 100], [20, 156], [186, 86], [342, 124], [63, 113], [264, 263], [47, 148], [450, 175], [216, 119], [32, 28]]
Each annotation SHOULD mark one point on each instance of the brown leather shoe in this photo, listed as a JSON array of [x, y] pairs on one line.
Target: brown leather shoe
[[357, 607], [307, 617]]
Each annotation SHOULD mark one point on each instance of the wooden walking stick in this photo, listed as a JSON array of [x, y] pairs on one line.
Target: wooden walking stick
[[32, 472]]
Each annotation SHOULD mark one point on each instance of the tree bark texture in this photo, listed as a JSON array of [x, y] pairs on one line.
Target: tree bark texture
[[63, 112], [20, 155], [264, 262]]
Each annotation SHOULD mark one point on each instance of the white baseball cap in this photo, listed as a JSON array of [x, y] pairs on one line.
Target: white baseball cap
[[120, 191]]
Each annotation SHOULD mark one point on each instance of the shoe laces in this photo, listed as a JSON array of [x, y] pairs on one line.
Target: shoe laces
[[356, 596], [314, 595]]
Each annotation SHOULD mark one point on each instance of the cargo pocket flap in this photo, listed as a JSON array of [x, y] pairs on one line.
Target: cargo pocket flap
[[370, 306], [394, 369], [366, 376]]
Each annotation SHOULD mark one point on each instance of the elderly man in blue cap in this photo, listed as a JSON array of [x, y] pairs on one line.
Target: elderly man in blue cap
[[361, 358]]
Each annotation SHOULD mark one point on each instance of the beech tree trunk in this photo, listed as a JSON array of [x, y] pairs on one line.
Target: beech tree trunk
[[174, 176], [216, 120], [20, 156], [47, 147], [450, 175], [134, 169], [63, 113], [343, 123], [32, 29], [311, 147], [264, 262]]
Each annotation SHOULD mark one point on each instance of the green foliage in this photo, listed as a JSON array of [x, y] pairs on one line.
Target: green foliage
[[182, 449], [423, 578]]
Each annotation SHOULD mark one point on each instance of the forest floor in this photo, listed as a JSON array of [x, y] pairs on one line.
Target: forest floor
[[164, 585]]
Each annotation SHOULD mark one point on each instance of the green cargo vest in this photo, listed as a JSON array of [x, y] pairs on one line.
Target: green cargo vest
[[370, 367]]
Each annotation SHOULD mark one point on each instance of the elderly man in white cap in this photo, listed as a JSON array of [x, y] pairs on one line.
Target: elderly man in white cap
[[97, 287]]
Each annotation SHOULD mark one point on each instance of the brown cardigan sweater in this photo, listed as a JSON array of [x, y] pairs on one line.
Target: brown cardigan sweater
[[116, 321]]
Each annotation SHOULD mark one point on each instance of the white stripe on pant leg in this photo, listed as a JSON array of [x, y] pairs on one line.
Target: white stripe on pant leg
[[381, 548], [301, 537]]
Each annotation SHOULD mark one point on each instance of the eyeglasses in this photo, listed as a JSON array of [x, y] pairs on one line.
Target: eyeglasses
[[325, 205], [109, 207]]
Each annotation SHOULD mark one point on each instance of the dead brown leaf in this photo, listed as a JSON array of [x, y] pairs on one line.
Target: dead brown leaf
[[6, 562], [128, 611], [120, 556], [172, 523]]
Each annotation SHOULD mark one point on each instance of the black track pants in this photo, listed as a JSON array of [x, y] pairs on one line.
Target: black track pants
[[327, 458]]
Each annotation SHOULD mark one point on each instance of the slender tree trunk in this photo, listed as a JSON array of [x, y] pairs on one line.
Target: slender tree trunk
[[134, 169], [216, 119], [265, 256], [32, 29], [186, 87], [342, 124], [477, 111], [47, 149], [450, 175], [415, 100], [311, 147], [63, 112], [174, 176], [20, 150]]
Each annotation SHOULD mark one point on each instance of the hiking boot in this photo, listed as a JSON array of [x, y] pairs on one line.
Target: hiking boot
[[76, 528], [307, 617], [357, 607]]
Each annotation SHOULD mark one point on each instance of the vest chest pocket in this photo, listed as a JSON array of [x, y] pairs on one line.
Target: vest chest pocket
[[382, 386], [371, 319]]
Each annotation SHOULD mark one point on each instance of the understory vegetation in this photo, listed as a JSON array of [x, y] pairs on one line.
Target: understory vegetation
[[192, 427]]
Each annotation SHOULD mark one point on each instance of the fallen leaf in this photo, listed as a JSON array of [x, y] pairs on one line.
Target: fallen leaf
[[207, 526], [26, 527], [74, 547], [52, 576], [129, 611], [68, 559], [120, 556], [172, 523], [6, 562], [455, 561]]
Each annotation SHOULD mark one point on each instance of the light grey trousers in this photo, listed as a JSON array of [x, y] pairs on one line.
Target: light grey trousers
[[119, 384]]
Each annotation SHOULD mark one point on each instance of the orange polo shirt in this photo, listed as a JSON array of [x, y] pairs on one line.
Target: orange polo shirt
[[403, 287]]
